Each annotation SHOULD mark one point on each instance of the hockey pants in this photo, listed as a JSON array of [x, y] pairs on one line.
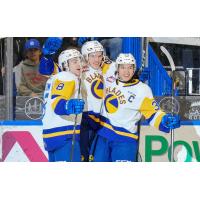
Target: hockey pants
[[103, 150], [63, 153]]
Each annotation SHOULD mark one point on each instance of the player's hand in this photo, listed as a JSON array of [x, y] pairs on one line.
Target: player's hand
[[74, 106], [171, 121], [51, 45], [46, 66]]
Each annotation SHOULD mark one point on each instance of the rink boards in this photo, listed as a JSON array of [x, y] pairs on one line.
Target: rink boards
[[21, 141]]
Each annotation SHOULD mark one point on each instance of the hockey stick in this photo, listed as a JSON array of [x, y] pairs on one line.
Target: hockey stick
[[144, 59], [3, 81], [144, 55], [75, 120], [172, 65]]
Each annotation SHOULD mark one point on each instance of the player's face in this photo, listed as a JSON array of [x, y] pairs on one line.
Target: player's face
[[125, 72], [74, 66], [95, 59], [33, 55]]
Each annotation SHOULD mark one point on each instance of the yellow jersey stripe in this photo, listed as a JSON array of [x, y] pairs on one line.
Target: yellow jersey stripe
[[63, 88], [55, 71], [50, 135], [111, 128], [94, 118], [147, 108], [158, 120], [55, 102], [105, 68], [135, 81]]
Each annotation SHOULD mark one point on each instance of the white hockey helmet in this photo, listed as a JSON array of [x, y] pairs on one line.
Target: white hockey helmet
[[67, 55], [91, 47], [126, 58]]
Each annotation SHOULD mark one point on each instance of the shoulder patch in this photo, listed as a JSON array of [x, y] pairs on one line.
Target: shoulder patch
[[63, 88], [105, 68], [107, 61]]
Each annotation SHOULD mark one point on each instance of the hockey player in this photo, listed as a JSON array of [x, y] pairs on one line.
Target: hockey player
[[94, 55], [62, 104], [126, 100]]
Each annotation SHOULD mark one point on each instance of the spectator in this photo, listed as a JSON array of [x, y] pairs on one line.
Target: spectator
[[28, 80]]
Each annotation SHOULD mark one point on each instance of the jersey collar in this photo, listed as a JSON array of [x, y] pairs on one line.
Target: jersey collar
[[127, 84]]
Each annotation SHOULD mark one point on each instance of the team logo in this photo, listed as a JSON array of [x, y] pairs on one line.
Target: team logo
[[97, 89], [111, 79], [169, 104], [34, 108], [111, 103], [194, 111]]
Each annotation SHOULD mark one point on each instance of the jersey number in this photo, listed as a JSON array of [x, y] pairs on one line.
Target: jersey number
[[155, 104], [60, 86]]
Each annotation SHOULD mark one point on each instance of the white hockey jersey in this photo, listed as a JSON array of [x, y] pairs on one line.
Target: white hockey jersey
[[92, 89], [57, 126], [123, 106], [94, 85]]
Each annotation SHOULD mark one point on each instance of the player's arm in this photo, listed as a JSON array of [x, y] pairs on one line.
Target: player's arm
[[156, 117], [47, 65], [61, 94]]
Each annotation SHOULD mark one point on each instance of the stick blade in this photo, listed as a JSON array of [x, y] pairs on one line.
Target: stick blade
[[169, 57]]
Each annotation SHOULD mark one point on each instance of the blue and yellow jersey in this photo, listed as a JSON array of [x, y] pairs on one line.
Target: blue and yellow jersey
[[56, 69], [123, 106], [57, 126], [48, 67], [94, 85]]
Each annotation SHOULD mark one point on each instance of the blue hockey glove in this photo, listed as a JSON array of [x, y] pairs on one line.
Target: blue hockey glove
[[170, 121], [74, 106], [46, 66], [51, 45]]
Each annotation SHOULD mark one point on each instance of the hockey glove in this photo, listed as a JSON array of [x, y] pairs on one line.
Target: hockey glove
[[74, 106], [46, 66], [171, 122], [51, 45]]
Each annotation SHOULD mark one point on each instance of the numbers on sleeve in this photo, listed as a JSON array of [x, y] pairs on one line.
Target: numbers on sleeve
[[155, 104], [60, 86]]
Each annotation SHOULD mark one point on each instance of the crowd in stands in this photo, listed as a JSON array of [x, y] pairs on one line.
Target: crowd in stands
[[26, 58]]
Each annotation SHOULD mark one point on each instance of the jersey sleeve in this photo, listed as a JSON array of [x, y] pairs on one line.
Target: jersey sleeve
[[56, 69], [109, 69], [61, 92], [151, 111], [48, 67]]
